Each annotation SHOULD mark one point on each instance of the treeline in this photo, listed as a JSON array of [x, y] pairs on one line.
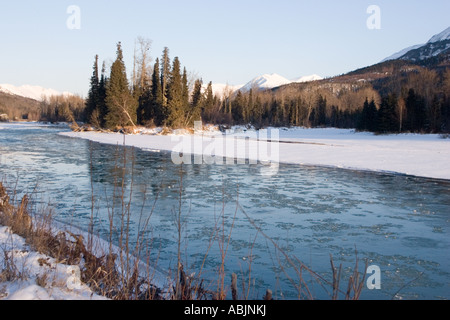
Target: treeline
[[62, 108], [160, 94], [311, 106], [418, 103], [163, 94], [415, 101]]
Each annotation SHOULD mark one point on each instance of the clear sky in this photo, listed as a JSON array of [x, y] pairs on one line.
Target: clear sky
[[221, 41]]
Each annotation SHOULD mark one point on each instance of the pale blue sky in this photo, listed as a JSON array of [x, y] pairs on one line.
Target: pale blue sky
[[221, 41]]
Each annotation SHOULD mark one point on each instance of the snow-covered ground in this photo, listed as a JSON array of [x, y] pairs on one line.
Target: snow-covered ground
[[28, 275], [411, 154], [34, 276]]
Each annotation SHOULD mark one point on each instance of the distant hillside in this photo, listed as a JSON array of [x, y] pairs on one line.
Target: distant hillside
[[384, 77], [59, 108], [409, 96], [33, 92], [17, 107]]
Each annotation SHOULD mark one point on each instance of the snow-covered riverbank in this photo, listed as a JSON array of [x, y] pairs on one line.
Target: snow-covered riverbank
[[34, 276], [411, 154], [26, 274]]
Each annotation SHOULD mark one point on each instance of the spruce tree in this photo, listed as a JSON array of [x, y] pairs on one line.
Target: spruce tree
[[120, 102], [165, 74], [185, 89], [176, 110], [195, 113], [372, 114], [143, 94], [144, 110], [364, 117], [387, 118], [209, 103], [142, 82], [93, 95], [101, 107], [238, 107], [157, 110], [415, 112], [368, 118]]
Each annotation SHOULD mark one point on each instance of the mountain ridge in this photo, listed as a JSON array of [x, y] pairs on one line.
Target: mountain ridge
[[439, 43]]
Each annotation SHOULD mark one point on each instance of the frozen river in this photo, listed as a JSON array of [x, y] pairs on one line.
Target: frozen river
[[399, 223]]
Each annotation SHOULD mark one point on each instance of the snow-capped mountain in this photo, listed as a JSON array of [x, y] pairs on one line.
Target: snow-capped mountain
[[222, 90], [32, 92], [313, 77], [263, 82], [401, 53], [438, 44], [266, 81], [444, 35]]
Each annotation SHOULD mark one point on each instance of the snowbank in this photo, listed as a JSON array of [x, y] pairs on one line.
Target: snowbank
[[411, 154], [34, 276]]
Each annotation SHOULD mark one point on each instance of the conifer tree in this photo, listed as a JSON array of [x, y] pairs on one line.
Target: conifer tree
[[142, 79], [368, 117], [101, 106], [415, 112], [209, 102], [363, 120], [176, 110], [185, 89], [120, 102], [165, 74], [195, 112], [248, 107], [372, 114], [237, 107], [387, 121], [144, 110], [157, 111], [93, 95]]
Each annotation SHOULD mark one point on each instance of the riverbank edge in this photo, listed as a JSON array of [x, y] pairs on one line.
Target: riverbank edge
[[424, 156]]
